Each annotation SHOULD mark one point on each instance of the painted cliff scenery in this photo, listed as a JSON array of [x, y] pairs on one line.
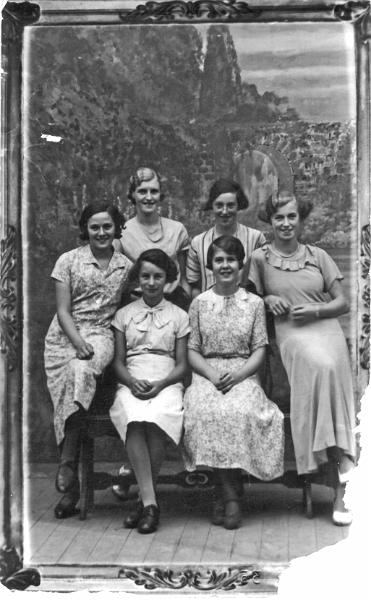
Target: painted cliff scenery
[[273, 106]]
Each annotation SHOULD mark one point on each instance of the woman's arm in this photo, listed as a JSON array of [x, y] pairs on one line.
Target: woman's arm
[[176, 374], [84, 350], [182, 258], [305, 313], [137, 386], [200, 365]]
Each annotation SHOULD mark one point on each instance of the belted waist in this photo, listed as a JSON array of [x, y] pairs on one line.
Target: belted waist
[[218, 355], [149, 351]]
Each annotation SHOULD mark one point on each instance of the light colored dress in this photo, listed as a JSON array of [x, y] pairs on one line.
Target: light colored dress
[[242, 428], [95, 296], [196, 270], [314, 354], [150, 334], [174, 239]]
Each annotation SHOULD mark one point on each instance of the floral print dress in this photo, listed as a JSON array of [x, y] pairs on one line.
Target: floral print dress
[[242, 428], [95, 296]]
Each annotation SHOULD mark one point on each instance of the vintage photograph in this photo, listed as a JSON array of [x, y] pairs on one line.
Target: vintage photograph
[[191, 307]]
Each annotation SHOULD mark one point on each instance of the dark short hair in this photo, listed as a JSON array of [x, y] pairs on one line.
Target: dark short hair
[[160, 259], [97, 207], [227, 186], [140, 175], [230, 244], [283, 198]]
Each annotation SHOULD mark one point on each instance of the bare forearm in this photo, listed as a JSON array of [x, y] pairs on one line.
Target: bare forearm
[[175, 375], [122, 373], [334, 308], [199, 364], [251, 365], [66, 322]]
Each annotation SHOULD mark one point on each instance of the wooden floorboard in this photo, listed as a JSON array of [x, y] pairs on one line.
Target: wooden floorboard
[[274, 528]]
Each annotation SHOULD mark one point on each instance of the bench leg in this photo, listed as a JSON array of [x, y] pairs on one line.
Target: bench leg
[[307, 499], [87, 475]]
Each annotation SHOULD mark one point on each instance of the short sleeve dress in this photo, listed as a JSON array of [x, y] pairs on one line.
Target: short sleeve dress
[[95, 296], [173, 239], [314, 354], [241, 429], [150, 334], [196, 270]]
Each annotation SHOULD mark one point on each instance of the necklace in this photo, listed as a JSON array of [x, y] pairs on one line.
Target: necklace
[[285, 255], [155, 234]]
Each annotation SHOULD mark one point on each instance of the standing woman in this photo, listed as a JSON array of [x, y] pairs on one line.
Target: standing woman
[[148, 229], [89, 282], [301, 286], [150, 363], [229, 423], [226, 198]]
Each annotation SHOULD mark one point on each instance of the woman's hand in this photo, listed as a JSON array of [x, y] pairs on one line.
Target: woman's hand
[[139, 387], [84, 350], [226, 382], [304, 313], [278, 306], [155, 387]]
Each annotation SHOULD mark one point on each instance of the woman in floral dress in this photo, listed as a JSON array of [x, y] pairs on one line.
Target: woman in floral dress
[[79, 344], [229, 423]]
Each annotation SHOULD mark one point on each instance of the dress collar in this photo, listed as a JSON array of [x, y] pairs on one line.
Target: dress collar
[[117, 261], [145, 315], [216, 303]]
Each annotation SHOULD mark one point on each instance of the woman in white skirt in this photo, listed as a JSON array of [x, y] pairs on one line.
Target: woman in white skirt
[[150, 363]]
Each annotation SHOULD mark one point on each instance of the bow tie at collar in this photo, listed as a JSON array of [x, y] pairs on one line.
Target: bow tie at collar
[[217, 303], [147, 315]]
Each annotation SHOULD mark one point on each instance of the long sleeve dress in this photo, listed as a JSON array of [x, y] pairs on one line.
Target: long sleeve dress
[[150, 335], [314, 354], [242, 428], [95, 297]]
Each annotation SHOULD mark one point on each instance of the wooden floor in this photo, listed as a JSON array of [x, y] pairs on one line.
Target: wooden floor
[[274, 528]]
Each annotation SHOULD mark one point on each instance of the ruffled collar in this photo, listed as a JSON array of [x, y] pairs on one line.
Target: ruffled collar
[[305, 255], [146, 315], [216, 303]]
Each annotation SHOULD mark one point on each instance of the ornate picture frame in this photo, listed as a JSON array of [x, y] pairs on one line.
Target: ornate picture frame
[[17, 17]]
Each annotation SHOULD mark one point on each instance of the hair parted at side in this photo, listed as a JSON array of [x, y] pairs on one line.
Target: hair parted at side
[[226, 186], [99, 206], [140, 175], [273, 204], [230, 245], [160, 259]]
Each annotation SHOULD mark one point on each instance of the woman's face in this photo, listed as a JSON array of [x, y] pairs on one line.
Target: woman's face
[[286, 222], [225, 209], [147, 196], [225, 267], [152, 281], [101, 231]]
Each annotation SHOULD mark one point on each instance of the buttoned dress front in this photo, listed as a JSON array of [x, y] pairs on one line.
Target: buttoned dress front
[[95, 296], [150, 334]]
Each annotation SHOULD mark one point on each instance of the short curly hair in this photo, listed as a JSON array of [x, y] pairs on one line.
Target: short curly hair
[[140, 175], [230, 245], [227, 186], [97, 207], [283, 198], [160, 259]]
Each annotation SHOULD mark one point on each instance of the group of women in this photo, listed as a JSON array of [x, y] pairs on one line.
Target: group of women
[[223, 419]]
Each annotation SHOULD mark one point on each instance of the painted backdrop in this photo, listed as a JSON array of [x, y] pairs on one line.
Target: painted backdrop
[[196, 103]]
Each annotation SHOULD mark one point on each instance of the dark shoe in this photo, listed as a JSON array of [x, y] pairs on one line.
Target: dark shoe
[[217, 512], [233, 515], [66, 476], [150, 519], [134, 516], [66, 507]]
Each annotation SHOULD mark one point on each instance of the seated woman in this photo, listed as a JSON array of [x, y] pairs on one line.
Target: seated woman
[[226, 198], [150, 363], [229, 423], [89, 283], [301, 286], [148, 229]]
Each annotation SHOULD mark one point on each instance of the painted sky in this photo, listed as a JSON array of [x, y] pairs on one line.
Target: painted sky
[[311, 64]]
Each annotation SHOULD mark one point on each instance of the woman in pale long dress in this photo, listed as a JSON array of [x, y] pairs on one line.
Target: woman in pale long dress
[[229, 423], [226, 198], [89, 283], [150, 363], [301, 286]]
